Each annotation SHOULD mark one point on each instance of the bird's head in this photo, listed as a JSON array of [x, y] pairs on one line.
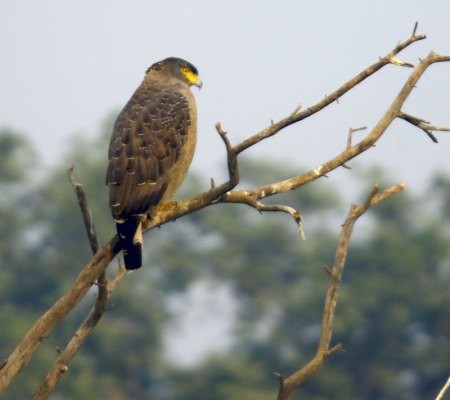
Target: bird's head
[[179, 68]]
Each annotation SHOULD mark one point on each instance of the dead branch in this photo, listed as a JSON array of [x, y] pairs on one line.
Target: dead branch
[[334, 96], [351, 131], [288, 385], [393, 112], [424, 125], [22, 354], [440, 396], [85, 211], [61, 365]]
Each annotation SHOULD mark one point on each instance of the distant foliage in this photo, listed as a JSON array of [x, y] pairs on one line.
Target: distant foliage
[[392, 317]]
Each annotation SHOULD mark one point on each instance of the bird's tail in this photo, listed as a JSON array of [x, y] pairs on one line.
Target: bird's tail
[[130, 234]]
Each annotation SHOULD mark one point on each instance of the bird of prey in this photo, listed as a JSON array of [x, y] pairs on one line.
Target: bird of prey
[[151, 148]]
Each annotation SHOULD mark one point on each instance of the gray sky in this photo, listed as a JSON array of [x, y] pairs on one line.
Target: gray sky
[[67, 65]]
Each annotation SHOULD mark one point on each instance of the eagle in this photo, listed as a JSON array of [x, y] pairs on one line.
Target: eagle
[[152, 145]]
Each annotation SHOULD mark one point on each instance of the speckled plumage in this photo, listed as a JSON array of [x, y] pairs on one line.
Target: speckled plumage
[[151, 148]]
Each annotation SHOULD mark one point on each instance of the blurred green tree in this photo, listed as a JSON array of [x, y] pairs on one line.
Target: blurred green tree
[[392, 314]]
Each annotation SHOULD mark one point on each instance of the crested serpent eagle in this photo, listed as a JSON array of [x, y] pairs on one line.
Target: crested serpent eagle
[[151, 148]]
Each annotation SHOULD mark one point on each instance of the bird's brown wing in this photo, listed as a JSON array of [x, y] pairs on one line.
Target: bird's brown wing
[[146, 146]]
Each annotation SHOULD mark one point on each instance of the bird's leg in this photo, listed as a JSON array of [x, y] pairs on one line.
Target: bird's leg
[[161, 207], [169, 205]]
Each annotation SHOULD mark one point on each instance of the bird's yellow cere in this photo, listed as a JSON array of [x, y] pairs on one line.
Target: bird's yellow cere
[[191, 77]]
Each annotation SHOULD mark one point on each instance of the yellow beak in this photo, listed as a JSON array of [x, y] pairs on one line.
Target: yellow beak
[[192, 78], [198, 83]]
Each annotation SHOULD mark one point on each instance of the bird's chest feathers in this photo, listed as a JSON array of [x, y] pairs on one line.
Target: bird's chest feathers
[[172, 119]]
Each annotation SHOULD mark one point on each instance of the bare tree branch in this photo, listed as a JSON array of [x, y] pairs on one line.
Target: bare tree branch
[[85, 211], [61, 365], [351, 131], [246, 197], [21, 355], [440, 396], [334, 96], [393, 112], [416, 25], [288, 385], [424, 125]]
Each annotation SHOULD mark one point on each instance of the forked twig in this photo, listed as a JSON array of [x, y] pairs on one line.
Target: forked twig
[[424, 125]]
